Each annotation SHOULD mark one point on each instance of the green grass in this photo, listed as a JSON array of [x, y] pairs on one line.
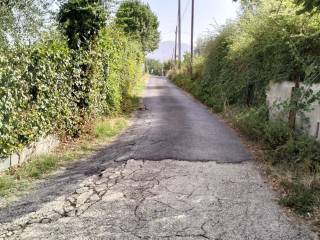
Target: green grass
[[41, 165], [131, 103], [108, 128], [301, 198], [7, 184], [18, 180]]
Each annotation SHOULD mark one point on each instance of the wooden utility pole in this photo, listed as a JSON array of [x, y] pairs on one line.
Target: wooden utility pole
[[175, 46], [192, 31], [179, 28], [294, 102]]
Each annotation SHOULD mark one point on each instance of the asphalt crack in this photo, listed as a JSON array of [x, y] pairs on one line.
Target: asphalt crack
[[162, 200]]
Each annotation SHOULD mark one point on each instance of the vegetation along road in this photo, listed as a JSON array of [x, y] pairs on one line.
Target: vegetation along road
[[176, 173]]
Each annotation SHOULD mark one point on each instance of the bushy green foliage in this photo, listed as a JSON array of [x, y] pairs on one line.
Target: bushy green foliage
[[35, 92], [118, 68], [37, 86], [270, 42], [167, 66], [81, 21], [309, 5], [137, 20], [252, 121], [277, 133], [154, 67], [285, 147], [300, 150], [21, 20], [302, 199]]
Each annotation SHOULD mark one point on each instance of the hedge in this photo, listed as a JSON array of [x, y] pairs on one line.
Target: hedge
[[47, 88], [270, 43]]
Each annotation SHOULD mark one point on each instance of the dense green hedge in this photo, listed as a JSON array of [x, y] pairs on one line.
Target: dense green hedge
[[270, 43], [45, 86]]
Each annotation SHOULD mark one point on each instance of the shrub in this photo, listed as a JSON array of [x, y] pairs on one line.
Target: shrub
[[35, 93], [269, 42], [277, 133], [252, 122], [42, 89], [299, 197], [154, 67], [300, 151], [118, 69]]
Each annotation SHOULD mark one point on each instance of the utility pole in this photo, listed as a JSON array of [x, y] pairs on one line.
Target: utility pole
[[175, 46], [179, 27], [192, 31]]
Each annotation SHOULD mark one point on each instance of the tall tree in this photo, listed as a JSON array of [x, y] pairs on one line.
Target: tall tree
[[308, 5], [21, 20], [137, 19], [81, 21]]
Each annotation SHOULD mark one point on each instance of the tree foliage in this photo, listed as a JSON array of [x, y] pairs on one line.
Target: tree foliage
[[57, 82], [309, 5], [154, 67], [81, 21], [268, 43], [137, 19], [21, 21]]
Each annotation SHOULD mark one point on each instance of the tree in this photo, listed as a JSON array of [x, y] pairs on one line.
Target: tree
[[154, 67], [137, 20], [167, 66], [81, 21], [309, 5], [21, 20]]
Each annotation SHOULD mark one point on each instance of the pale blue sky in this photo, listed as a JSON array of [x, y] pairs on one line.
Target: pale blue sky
[[207, 13]]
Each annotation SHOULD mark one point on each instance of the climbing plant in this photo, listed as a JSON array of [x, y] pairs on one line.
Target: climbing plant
[[81, 21]]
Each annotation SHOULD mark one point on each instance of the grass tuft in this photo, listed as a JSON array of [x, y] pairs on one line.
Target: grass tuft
[[299, 197], [7, 183], [107, 128], [38, 166]]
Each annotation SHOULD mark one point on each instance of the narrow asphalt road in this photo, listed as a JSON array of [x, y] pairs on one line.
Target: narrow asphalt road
[[180, 128], [176, 173]]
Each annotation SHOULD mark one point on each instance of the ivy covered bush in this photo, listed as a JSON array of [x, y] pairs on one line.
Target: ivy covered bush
[[35, 92], [118, 68], [37, 86], [56, 78]]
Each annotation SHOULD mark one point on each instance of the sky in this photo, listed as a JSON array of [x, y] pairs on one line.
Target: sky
[[208, 13]]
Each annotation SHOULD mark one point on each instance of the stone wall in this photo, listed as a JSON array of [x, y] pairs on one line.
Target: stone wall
[[43, 146], [309, 122]]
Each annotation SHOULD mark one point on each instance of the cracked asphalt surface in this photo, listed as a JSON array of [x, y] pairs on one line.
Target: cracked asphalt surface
[[177, 173]]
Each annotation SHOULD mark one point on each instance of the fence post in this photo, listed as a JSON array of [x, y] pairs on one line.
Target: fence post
[[250, 92], [294, 103]]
